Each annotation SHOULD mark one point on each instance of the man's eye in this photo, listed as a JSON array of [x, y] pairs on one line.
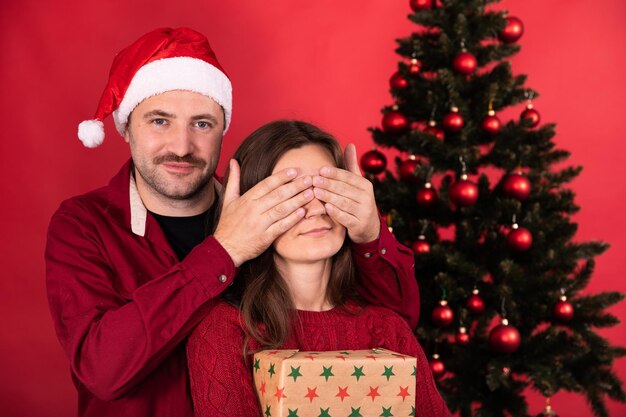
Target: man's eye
[[159, 122], [203, 125]]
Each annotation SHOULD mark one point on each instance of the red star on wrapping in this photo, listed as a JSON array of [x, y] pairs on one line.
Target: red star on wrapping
[[262, 389], [404, 392], [373, 393], [310, 357], [343, 393], [371, 357], [400, 356], [343, 358], [274, 352], [311, 394], [279, 393]]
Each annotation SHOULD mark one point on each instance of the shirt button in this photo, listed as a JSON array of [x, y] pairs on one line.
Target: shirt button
[[383, 251], [222, 278], [368, 255]]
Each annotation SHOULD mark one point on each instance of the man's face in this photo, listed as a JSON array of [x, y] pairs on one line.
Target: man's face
[[175, 141]]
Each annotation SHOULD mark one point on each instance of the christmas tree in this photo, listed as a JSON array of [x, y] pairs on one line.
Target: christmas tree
[[486, 208]]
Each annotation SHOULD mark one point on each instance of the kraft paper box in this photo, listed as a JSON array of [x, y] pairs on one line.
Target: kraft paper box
[[354, 383]]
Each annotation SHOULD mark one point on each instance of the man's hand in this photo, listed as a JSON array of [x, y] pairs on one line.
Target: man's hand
[[250, 223], [349, 198]]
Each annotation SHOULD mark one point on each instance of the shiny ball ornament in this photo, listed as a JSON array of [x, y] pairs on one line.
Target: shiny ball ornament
[[516, 186], [395, 122], [442, 315], [406, 169], [437, 366], [461, 337], [563, 310], [398, 82], [420, 246], [475, 303], [531, 114], [504, 338], [519, 239], [373, 162], [453, 121], [426, 197], [414, 67], [464, 63], [419, 5], [434, 130], [513, 30], [491, 124], [463, 192]]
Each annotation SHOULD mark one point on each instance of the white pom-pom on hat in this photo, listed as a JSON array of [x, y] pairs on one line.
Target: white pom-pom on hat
[[91, 133]]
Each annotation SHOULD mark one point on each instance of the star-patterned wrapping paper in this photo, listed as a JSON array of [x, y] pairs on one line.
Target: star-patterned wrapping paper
[[352, 383]]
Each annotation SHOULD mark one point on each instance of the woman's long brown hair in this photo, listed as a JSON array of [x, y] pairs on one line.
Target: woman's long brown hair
[[259, 291]]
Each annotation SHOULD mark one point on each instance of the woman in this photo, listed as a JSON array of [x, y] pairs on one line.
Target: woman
[[299, 294]]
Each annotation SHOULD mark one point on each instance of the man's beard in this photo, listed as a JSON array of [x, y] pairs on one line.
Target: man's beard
[[154, 179]]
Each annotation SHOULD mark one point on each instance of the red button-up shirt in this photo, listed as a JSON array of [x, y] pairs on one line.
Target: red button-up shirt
[[123, 304]]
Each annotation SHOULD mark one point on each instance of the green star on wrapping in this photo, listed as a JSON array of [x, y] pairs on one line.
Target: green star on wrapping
[[267, 411], [295, 373], [386, 412], [344, 353], [388, 372], [257, 366], [358, 372], [414, 370], [356, 412], [271, 370], [293, 413], [412, 411], [327, 372], [324, 413]]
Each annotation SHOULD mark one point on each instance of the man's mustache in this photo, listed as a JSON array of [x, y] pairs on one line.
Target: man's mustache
[[188, 159]]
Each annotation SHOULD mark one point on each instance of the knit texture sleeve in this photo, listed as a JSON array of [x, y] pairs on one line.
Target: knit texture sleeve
[[220, 376]]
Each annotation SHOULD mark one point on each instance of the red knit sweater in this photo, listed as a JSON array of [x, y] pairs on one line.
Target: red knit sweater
[[221, 378]]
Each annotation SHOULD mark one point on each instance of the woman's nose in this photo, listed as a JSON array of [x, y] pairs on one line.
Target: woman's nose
[[314, 207]]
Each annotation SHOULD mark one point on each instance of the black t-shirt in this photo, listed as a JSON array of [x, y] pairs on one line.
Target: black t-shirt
[[185, 233]]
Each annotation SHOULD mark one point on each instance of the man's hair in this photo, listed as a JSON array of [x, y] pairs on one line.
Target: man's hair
[[259, 290]]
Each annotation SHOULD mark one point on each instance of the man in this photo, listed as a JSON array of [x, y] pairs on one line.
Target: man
[[132, 267]]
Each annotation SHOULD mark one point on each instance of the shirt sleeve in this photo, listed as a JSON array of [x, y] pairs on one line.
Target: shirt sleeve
[[114, 340], [386, 271], [220, 376]]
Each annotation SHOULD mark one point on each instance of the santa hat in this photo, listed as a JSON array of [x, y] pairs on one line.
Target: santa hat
[[162, 60]]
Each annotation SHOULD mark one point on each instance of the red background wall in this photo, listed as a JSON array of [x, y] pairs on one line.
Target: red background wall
[[325, 61]]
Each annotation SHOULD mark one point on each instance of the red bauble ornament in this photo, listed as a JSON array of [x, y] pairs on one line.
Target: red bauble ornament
[[531, 114], [516, 186], [513, 30], [414, 67], [420, 246], [463, 192], [442, 315], [395, 122], [491, 124], [563, 310], [426, 197], [504, 338], [406, 170], [475, 303], [398, 82], [419, 5], [418, 125], [437, 366], [461, 337], [373, 162], [453, 121], [464, 63], [434, 130], [519, 239]]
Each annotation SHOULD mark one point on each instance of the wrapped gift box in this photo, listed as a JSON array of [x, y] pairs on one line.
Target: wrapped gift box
[[353, 383]]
